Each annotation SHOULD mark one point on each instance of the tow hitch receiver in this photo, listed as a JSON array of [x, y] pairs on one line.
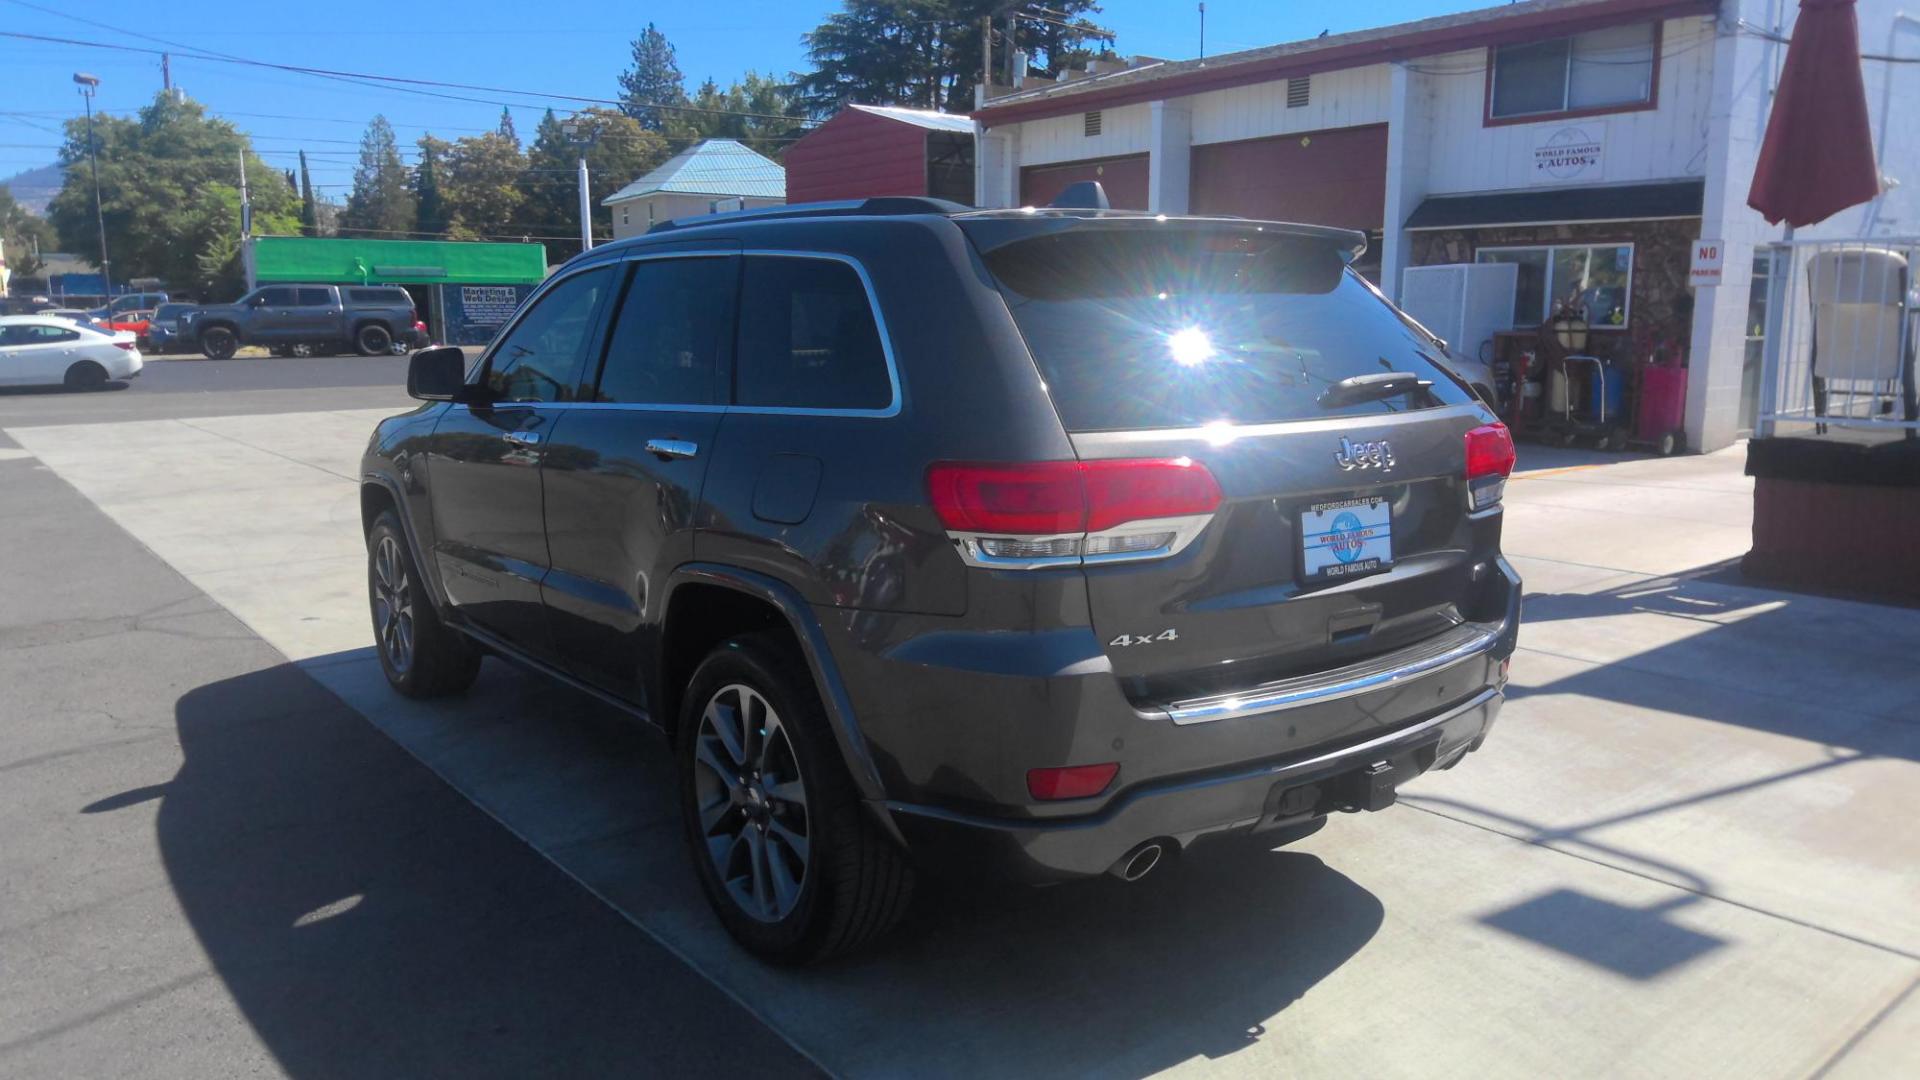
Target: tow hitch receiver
[[1374, 786]]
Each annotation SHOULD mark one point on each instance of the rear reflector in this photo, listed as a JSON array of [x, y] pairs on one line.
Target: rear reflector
[[1071, 782], [1490, 460], [127, 345]]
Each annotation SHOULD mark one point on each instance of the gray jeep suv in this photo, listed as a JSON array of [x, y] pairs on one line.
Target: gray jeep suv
[[1048, 543]]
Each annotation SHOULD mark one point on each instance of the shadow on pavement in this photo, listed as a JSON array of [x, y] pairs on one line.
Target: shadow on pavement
[[370, 922], [62, 389]]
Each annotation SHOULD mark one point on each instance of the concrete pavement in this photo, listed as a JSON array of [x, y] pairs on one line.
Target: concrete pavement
[[1687, 850]]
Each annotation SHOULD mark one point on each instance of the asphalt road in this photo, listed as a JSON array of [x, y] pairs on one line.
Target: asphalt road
[[1687, 849], [173, 387]]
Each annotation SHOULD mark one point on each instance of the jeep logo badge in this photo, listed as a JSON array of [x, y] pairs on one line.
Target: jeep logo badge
[[1364, 455]]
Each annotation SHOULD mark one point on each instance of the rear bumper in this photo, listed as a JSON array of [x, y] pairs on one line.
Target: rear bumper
[[1245, 799]]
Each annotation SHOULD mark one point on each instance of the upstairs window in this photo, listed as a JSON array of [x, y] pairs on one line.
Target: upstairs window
[[1605, 69]]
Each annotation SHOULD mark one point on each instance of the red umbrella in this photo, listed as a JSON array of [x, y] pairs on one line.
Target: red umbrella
[[1817, 159]]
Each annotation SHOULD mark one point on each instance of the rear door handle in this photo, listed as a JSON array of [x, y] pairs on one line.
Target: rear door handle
[[665, 449], [523, 438]]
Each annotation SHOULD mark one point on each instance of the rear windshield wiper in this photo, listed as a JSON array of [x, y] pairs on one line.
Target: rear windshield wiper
[[1373, 387]]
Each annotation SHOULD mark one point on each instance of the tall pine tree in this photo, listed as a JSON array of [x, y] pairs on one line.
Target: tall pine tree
[[654, 80], [309, 210], [507, 129], [430, 213], [382, 199]]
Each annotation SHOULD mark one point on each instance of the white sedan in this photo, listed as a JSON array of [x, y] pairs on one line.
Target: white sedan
[[45, 350]]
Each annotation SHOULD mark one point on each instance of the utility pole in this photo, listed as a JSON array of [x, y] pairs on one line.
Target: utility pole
[[166, 74], [986, 57], [88, 84], [1203, 29], [582, 138], [246, 224]]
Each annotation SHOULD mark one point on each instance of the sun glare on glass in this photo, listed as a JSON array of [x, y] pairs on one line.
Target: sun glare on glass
[[1190, 346]]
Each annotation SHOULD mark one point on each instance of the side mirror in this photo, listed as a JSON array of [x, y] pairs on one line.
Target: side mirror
[[258, 301], [437, 374]]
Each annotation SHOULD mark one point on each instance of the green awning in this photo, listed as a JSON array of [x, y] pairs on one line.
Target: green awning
[[354, 261]]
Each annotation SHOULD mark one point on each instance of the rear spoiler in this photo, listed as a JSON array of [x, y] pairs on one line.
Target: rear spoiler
[[993, 229]]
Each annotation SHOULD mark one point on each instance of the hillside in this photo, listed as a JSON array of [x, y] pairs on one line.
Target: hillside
[[35, 188]]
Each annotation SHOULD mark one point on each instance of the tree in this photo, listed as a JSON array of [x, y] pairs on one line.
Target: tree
[[23, 236], [382, 199], [757, 110], [309, 210], [506, 125], [481, 188], [618, 151], [653, 80], [168, 193], [430, 208], [926, 53]]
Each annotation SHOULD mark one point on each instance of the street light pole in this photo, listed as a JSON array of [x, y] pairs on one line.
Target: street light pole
[[87, 84], [582, 138]]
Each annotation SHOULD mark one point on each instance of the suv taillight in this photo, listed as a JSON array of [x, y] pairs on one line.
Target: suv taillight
[[1490, 460], [1057, 513]]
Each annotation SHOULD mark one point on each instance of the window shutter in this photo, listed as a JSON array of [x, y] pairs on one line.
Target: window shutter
[[1093, 123], [1298, 91]]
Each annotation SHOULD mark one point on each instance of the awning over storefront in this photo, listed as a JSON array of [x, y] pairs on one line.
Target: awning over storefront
[[341, 260], [1562, 206]]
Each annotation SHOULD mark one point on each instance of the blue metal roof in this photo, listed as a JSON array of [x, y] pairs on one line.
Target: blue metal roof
[[711, 167]]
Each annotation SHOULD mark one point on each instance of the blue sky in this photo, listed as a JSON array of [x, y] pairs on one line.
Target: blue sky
[[575, 48]]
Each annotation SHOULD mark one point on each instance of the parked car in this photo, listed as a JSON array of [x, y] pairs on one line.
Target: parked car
[[301, 320], [1042, 543], [136, 323], [163, 330], [129, 302], [43, 350]]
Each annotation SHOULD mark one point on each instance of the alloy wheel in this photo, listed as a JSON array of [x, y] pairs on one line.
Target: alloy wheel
[[393, 604], [752, 803]]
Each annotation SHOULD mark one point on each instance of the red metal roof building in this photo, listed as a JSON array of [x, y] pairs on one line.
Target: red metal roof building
[[870, 150]]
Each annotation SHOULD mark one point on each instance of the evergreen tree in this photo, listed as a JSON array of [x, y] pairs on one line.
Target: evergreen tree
[[653, 80], [926, 53], [506, 128], [382, 199], [309, 210], [430, 214], [292, 184], [618, 151], [757, 110]]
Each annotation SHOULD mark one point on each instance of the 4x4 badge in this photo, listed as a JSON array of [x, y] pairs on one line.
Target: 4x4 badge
[[1364, 455]]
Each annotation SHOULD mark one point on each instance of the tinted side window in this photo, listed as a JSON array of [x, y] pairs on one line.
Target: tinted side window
[[277, 297], [807, 337], [315, 297], [539, 359], [666, 343]]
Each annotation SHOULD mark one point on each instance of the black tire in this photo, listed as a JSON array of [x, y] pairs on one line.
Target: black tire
[[372, 340], [86, 375], [854, 882], [1669, 443], [421, 656], [219, 343]]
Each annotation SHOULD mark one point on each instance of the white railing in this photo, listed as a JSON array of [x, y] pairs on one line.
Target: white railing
[[1842, 325]]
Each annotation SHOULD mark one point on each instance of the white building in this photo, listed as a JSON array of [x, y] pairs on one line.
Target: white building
[[1581, 139], [710, 175]]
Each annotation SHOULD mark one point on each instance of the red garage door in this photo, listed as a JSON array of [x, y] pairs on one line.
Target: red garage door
[[1333, 177], [1125, 179]]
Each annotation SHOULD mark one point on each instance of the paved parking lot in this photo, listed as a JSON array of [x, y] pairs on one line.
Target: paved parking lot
[[1689, 848]]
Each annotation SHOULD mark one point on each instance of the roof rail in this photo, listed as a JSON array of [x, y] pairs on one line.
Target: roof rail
[[884, 205]]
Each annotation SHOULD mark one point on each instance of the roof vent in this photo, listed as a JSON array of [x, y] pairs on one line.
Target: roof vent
[[1298, 90], [1093, 123]]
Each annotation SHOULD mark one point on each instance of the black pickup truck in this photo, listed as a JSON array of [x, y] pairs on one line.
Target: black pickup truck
[[302, 320]]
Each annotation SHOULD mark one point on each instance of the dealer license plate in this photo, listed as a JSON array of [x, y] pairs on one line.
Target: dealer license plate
[[1345, 539]]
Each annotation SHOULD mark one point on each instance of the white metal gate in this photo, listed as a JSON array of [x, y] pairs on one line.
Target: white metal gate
[[1842, 324]]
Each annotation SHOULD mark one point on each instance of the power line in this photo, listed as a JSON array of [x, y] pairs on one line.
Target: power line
[[393, 82]]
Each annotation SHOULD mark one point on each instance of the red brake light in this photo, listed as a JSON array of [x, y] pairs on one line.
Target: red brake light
[[1490, 460], [1034, 499], [1123, 491], [127, 345], [1071, 782], [1489, 451]]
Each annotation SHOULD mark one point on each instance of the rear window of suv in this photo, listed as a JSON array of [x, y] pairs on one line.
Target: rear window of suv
[[1147, 327]]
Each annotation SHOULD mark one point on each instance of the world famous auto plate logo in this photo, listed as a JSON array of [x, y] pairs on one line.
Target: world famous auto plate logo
[[1349, 536], [1342, 539]]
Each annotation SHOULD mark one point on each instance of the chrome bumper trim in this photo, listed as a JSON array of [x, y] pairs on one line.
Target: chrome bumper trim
[[1380, 673]]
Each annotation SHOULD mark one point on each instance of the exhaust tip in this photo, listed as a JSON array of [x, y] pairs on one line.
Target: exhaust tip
[[1139, 862]]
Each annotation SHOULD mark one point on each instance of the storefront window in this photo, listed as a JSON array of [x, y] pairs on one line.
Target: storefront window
[[1594, 281]]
